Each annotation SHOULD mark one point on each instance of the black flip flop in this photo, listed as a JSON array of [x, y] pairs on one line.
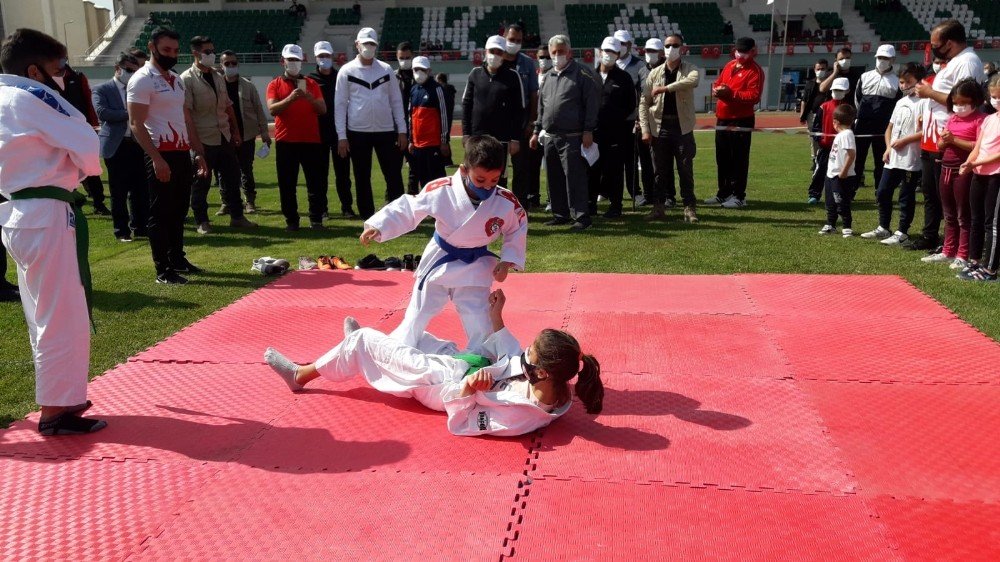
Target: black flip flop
[[70, 424]]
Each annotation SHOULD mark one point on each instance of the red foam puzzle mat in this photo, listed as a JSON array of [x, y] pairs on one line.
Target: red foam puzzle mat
[[660, 294], [876, 348], [572, 520], [335, 289], [924, 441], [374, 515], [941, 530]]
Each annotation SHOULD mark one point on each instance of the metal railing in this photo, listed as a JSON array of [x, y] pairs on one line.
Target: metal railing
[[114, 24]]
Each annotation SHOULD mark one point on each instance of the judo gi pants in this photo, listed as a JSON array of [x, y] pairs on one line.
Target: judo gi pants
[[470, 302], [55, 308]]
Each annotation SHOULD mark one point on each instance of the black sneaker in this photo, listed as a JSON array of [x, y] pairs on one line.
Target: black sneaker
[[187, 267], [102, 210], [317, 225], [349, 213], [408, 263], [171, 278], [393, 264], [613, 214], [920, 243], [9, 294], [557, 221], [578, 225], [292, 228], [416, 262], [372, 262]]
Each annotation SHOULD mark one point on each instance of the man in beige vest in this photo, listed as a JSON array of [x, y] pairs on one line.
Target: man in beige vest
[[666, 116]]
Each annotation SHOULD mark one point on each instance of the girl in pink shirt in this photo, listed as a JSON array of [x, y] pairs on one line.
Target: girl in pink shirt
[[984, 165], [956, 142]]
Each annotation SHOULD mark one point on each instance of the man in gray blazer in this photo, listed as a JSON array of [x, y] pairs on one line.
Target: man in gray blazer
[[122, 155]]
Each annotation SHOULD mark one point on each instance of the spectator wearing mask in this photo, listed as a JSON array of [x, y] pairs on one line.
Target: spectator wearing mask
[[812, 98], [429, 131], [521, 63], [404, 74], [326, 76], [738, 90], [567, 111], [123, 157], [162, 125], [493, 102], [613, 130], [843, 68], [208, 103], [252, 122], [369, 116], [535, 154], [632, 65], [823, 133], [948, 43], [654, 54], [789, 96], [875, 97], [296, 103], [667, 121]]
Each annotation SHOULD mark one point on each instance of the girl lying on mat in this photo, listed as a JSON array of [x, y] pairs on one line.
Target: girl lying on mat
[[496, 389]]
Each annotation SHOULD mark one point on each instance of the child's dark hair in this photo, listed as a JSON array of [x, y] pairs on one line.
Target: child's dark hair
[[967, 88], [26, 47], [559, 355], [913, 70], [484, 151], [845, 114]]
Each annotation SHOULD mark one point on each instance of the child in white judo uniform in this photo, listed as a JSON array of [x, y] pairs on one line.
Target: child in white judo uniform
[[497, 389], [46, 149], [470, 212]]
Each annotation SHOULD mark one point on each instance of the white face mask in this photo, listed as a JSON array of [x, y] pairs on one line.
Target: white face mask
[[962, 110], [673, 53], [821, 74], [513, 48], [293, 67], [844, 64], [607, 59], [493, 61], [420, 76], [405, 64], [544, 64], [124, 76], [652, 57], [995, 102], [231, 71], [324, 63], [367, 51], [911, 91], [883, 64], [207, 59], [937, 67], [560, 61], [838, 94]]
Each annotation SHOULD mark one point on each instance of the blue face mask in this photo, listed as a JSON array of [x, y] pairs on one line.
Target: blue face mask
[[480, 193]]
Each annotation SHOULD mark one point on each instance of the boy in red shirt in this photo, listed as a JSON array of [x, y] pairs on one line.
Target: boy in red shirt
[[737, 90], [825, 131]]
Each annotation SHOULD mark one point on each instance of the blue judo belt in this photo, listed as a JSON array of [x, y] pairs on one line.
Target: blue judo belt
[[454, 253]]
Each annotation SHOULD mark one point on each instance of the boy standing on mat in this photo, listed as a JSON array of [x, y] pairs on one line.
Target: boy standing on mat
[[470, 212], [46, 149]]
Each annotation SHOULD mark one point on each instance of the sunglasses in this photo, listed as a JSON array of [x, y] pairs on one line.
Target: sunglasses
[[529, 369], [230, 64]]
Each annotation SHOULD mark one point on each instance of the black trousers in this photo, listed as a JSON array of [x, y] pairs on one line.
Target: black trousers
[[840, 194], [94, 188], [129, 189], [168, 205], [982, 201], [412, 181], [428, 164], [877, 147], [671, 146], [820, 163], [245, 154], [648, 175], [606, 176], [891, 179], [732, 156], [533, 177], [929, 178], [629, 155], [342, 177], [521, 166], [220, 158], [3, 259], [311, 157], [389, 161]]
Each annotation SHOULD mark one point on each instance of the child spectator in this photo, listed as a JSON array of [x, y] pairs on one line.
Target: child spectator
[[823, 129], [984, 163], [841, 181]]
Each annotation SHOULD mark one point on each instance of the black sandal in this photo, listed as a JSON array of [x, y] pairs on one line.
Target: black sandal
[[70, 424]]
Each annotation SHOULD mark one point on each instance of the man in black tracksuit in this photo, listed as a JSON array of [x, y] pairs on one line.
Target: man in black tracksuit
[[326, 77], [613, 135]]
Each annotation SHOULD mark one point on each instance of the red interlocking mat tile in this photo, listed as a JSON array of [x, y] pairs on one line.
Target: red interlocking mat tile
[[923, 441], [881, 296], [88, 510], [572, 520], [374, 515], [538, 291], [335, 289], [941, 530], [728, 432], [524, 324], [874, 348], [349, 426], [165, 411], [676, 294], [240, 334], [681, 344]]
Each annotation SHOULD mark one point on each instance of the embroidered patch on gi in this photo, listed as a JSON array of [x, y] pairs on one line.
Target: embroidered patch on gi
[[493, 226], [438, 183], [71, 218], [483, 420]]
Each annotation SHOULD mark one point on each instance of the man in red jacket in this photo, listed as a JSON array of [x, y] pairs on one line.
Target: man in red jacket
[[737, 90]]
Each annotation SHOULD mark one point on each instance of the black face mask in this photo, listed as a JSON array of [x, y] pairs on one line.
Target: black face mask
[[165, 62], [48, 81], [938, 53], [530, 371]]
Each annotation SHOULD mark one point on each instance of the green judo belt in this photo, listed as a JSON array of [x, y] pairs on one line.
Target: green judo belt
[[76, 200], [475, 362]]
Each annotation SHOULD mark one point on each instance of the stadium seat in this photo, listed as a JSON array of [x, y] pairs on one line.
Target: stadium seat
[[230, 29]]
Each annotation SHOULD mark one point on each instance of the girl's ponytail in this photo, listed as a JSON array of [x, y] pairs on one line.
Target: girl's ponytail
[[589, 388]]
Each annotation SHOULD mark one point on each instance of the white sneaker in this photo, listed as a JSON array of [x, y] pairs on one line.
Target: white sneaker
[[827, 229], [713, 201], [847, 232], [640, 200], [936, 258], [959, 263], [548, 208], [600, 198], [879, 233], [733, 203], [896, 238]]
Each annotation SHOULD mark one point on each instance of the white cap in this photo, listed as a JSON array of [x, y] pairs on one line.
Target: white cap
[[421, 62], [291, 51], [367, 35], [323, 48], [496, 42], [611, 44], [654, 44], [623, 35], [887, 51], [840, 84]]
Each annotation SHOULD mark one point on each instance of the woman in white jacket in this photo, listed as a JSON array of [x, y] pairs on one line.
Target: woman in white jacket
[[497, 389]]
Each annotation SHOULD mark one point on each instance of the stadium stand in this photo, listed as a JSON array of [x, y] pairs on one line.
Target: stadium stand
[[980, 17], [760, 22], [458, 28], [700, 23], [230, 29], [893, 21], [343, 16], [829, 20]]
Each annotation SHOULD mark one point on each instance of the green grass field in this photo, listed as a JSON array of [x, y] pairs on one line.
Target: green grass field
[[776, 233]]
